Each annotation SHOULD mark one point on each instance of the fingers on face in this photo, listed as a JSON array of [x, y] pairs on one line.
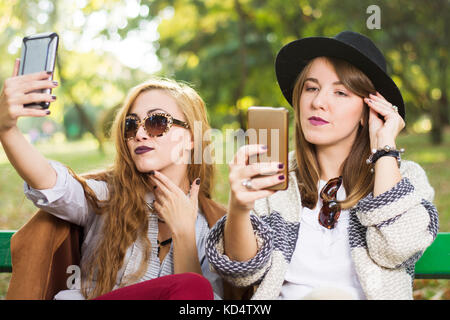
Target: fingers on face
[[164, 190], [159, 189], [162, 181], [195, 186], [381, 106], [164, 186], [380, 96], [195, 189], [373, 115]]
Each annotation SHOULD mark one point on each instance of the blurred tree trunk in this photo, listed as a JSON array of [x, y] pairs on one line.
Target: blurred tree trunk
[[443, 101], [82, 113], [440, 108], [444, 55], [436, 129], [53, 18], [90, 126]]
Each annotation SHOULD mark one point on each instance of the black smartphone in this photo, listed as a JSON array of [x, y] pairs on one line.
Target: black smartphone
[[39, 54]]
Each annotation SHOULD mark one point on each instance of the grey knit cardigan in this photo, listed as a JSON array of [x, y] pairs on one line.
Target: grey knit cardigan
[[387, 235]]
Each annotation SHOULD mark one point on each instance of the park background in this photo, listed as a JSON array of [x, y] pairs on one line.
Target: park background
[[226, 50]]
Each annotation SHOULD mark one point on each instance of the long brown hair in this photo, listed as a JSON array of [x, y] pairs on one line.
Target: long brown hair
[[357, 178], [125, 211]]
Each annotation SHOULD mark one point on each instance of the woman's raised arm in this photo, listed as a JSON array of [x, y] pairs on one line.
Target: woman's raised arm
[[31, 165]]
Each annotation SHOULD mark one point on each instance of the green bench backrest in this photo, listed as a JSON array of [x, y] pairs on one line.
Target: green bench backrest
[[434, 264], [5, 252], [435, 261]]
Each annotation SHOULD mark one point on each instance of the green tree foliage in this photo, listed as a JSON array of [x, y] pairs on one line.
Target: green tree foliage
[[225, 48], [89, 75], [228, 47]]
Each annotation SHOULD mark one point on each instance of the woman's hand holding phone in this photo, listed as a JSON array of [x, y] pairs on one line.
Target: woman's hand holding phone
[[239, 238], [243, 197], [18, 91]]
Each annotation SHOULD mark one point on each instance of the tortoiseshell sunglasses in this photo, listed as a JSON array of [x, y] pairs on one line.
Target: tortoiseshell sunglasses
[[155, 124]]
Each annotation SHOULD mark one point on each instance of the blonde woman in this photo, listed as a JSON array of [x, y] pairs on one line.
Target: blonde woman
[[144, 220], [355, 218]]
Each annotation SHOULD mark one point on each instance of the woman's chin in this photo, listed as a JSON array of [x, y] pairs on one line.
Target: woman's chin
[[146, 166], [318, 139]]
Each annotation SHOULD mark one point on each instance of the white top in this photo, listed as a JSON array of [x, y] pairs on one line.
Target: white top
[[321, 261]]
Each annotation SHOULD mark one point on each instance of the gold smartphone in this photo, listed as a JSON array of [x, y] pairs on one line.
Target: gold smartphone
[[270, 126]]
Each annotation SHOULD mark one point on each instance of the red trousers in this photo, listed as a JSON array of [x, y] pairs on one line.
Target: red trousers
[[184, 286]]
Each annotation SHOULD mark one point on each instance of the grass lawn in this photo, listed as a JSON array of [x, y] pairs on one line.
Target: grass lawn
[[82, 156]]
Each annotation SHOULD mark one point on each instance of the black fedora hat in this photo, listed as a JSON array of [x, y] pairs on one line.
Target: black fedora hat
[[353, 47]]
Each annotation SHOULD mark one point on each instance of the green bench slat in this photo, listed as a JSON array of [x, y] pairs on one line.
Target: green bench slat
[[5, 252], [434, 263]]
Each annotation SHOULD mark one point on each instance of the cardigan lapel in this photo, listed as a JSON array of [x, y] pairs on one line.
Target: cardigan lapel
[[287, 202]]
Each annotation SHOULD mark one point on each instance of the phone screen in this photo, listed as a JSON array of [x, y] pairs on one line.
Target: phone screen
[[35, 59], [38, 53]]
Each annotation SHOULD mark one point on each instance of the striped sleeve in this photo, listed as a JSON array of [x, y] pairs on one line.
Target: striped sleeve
[[241, 273], [402, 222]]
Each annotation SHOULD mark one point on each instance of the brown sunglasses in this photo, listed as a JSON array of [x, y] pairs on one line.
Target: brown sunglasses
[[330, 211], [155, 124]]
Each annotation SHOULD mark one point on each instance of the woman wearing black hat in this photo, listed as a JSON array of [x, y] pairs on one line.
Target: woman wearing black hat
[[355, 218]]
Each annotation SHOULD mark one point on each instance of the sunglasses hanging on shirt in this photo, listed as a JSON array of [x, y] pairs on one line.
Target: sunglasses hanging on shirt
[[330, 211]]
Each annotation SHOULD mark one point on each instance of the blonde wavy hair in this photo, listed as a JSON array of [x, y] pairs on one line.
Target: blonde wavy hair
[[125, 212]]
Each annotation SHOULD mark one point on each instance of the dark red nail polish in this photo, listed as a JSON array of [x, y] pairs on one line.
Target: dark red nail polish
[[197, 181], [281, 166], [47, 112], [152, 172], [54, 97], [281, 177]]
